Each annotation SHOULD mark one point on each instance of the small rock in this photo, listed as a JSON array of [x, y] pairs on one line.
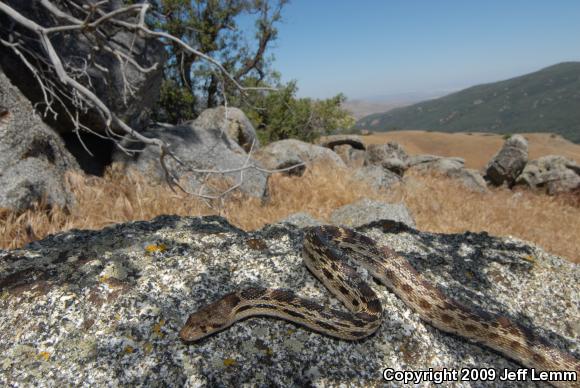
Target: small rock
[[286, 153], [352, 157], [301, 220], [239, 129], [378, 177], [469, 178], [366, 211], [390, 156]]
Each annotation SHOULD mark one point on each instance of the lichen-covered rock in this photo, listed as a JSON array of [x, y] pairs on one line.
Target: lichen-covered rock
[[553, 173], [33, 158], [366, 211], [103, 308], [290, 152], [238, 127], [509, 162]]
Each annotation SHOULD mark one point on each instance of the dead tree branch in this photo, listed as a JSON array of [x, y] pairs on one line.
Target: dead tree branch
[[95, 18]]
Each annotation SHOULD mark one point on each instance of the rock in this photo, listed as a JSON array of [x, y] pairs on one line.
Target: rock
[[33, 159], [390, 156], [289, 152], [239, 128], [452, 167], [509, 162], [417, 160], [366, 211], [64, 323], [301, 220], [442, 165], [107, 78], [378, 177], [470, 179], [352, 157], [553, 173], [199, 146], [333, 141]]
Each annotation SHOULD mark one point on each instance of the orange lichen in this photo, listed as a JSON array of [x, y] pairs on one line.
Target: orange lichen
[[157, 328], [44, 355], [154, 248]]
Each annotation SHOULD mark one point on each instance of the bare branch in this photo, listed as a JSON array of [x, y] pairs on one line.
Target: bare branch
[[73, 83]]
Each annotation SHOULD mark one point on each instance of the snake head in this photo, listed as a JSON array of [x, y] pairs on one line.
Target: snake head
[[209, 319]]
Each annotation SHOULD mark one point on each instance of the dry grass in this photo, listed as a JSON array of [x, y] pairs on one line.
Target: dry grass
[[441, 205], [438, 204]]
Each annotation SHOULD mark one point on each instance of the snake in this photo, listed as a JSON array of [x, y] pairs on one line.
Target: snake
[[326, 253]]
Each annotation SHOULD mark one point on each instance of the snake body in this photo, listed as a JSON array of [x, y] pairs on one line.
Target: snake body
[[325, 249]]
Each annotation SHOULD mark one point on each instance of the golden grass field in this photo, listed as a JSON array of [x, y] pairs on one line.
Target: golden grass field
[[437, 203]]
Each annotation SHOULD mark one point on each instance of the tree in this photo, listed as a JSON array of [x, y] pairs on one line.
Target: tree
[[282, 115], [60, 81], [212, 27]]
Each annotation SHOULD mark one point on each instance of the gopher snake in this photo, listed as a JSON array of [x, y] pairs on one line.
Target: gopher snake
[[324, 249]]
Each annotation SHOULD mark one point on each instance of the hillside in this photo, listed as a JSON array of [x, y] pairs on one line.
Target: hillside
[[362, 108], [544, 101]]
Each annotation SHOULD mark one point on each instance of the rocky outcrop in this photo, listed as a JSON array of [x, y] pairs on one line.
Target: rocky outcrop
[[290, 152], [508, 163], [390, 156], [33, 159], [366, 211], [107, 74], [104, 307], [199, 145], [238, 127], [555, 174]]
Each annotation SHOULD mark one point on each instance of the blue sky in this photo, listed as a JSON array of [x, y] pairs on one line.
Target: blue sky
[[369, 48]]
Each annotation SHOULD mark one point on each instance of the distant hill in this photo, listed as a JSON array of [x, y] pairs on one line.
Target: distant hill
[[544, 101], [362, 108]]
